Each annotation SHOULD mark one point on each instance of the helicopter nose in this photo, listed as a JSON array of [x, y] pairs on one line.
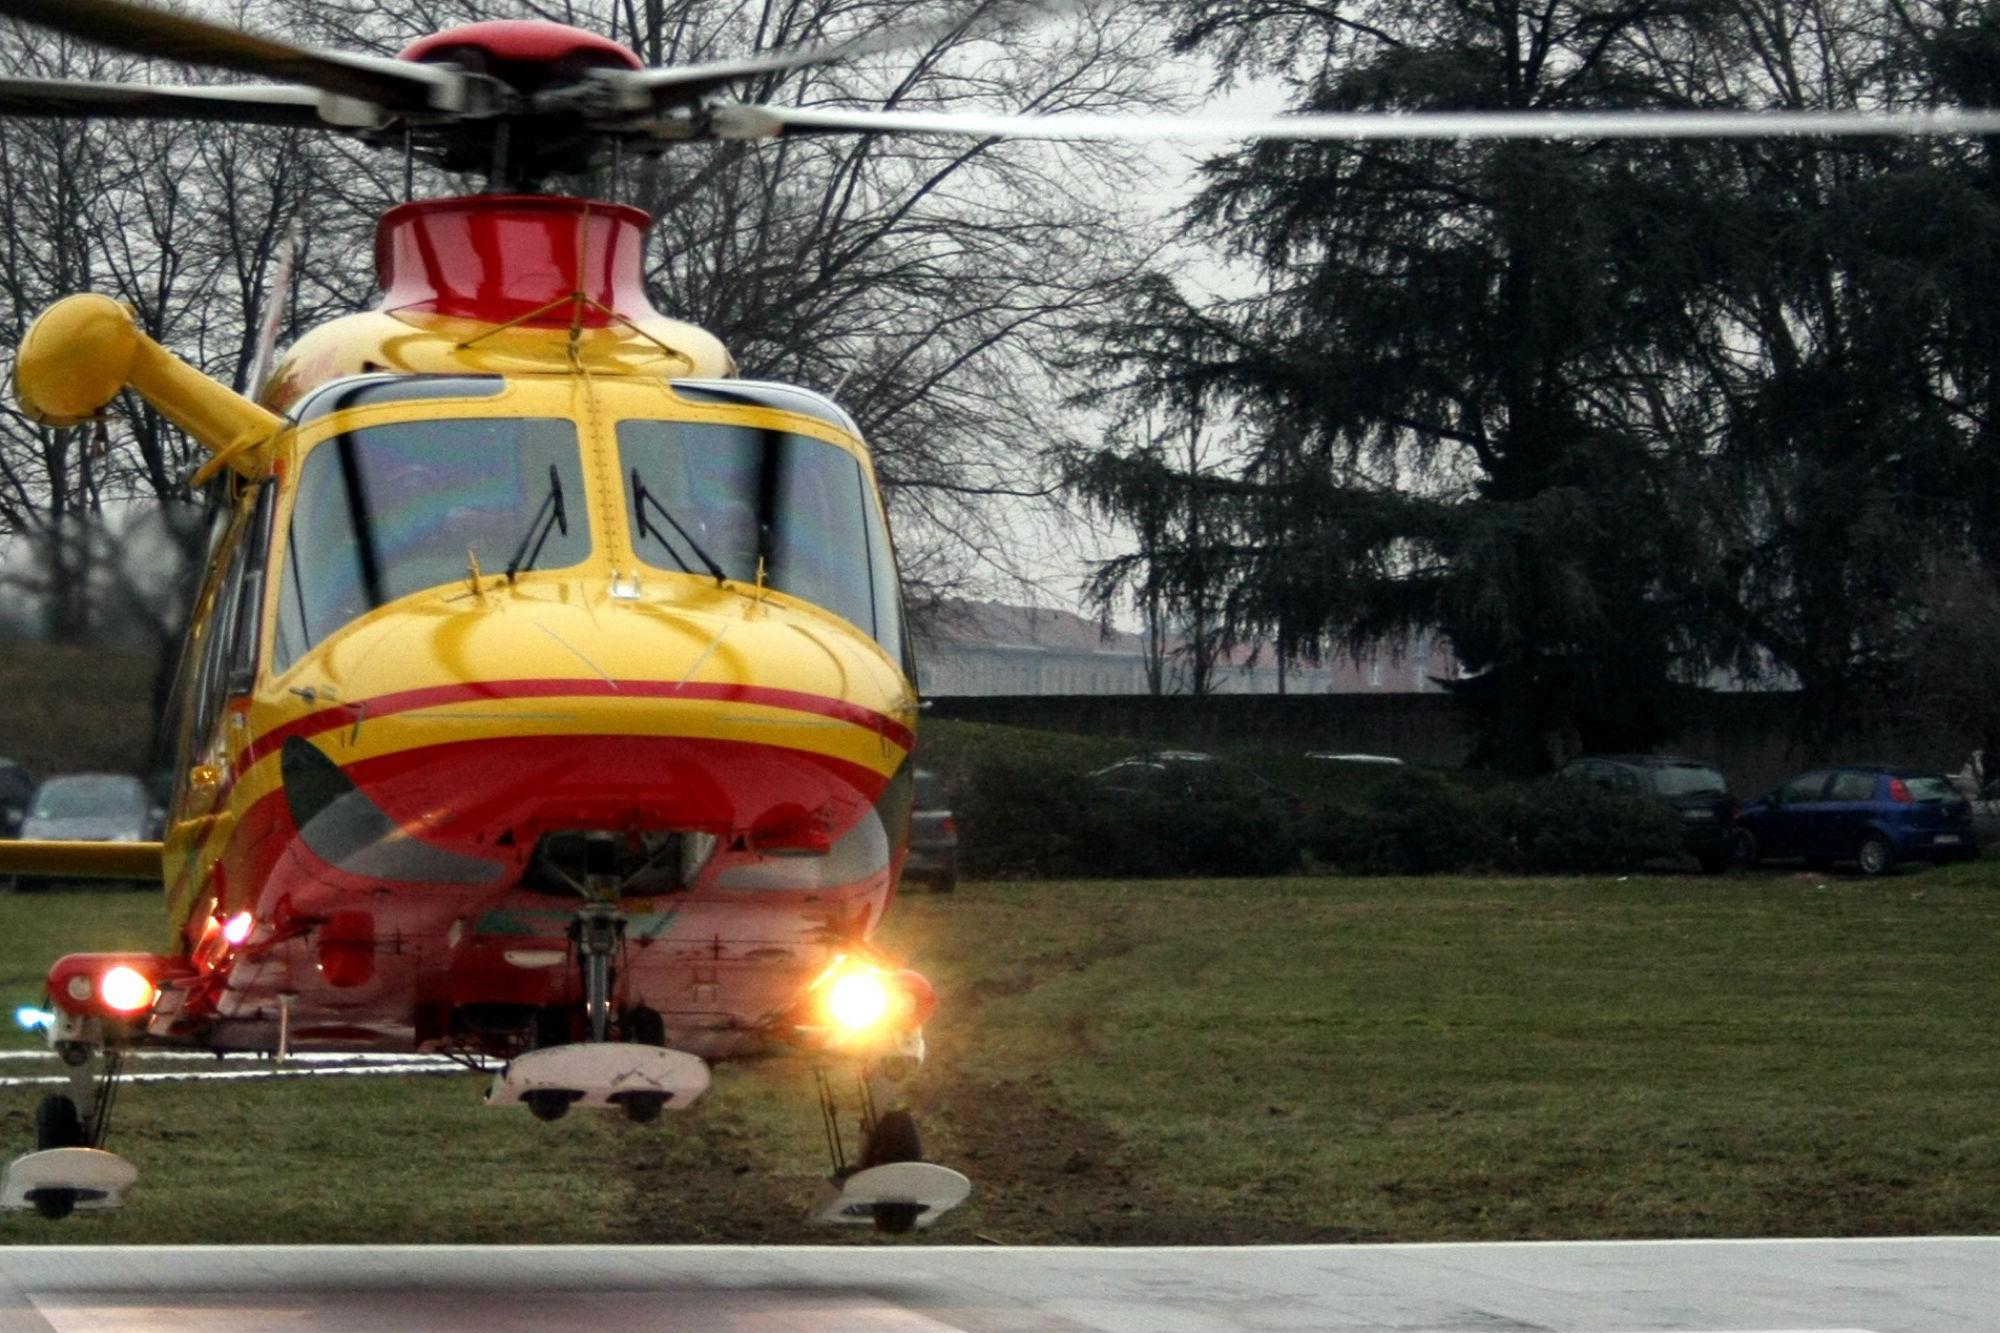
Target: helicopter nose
[[464, 735]]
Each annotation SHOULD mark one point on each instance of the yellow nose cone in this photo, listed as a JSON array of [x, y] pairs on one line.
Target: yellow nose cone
[[75, 359]]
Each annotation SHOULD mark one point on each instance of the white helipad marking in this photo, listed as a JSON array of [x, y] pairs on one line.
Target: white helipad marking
[[462, 1312], [245, 1075], [202, 1066], [261, 1057]]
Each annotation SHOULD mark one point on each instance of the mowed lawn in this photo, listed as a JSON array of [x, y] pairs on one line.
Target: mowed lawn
[[1280, 1060]]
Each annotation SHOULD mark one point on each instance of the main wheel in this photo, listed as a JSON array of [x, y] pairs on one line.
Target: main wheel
[[895, 1139], [642, 1108], [57, 1125], [549, 1104], [1875, 855]]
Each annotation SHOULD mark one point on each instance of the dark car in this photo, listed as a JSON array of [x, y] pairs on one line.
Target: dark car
[[17, 791], [933, 837], [1872, 815], [1173, 773], [1697, 793]]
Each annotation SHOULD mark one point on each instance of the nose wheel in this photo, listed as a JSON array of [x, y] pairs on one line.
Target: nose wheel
[[638, 1074]]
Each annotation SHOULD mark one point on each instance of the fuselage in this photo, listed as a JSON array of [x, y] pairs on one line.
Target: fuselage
[[690, 699]]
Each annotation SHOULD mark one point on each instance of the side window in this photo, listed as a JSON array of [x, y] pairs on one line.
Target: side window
[[1852, 787], [886, 589], [219, 624], [247, 624], [1804, 788]]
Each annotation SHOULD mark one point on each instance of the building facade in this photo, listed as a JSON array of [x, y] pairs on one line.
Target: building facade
[[989, 648]]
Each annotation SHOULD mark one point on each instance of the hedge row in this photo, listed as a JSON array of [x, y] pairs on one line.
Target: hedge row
[[1026, 818]]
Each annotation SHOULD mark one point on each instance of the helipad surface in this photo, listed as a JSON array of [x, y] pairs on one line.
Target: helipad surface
[[1863, 1286]]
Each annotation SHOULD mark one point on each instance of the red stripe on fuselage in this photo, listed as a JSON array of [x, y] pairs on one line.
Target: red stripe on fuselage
[[435, 696]]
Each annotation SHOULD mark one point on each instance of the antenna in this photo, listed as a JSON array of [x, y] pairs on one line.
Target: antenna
[[274, 306]]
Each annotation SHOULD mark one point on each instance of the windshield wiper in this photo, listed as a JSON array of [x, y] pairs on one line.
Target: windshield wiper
[[641, 497], [549, 515]]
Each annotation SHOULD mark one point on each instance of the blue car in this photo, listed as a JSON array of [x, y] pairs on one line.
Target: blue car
[[1870, 815]]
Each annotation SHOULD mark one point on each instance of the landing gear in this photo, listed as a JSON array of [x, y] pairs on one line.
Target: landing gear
[[598, 931], [892, 1187], [69, 1168], [549, 1104], [894, 1139], [57, 1125], [638, 1074], [641, 1108]]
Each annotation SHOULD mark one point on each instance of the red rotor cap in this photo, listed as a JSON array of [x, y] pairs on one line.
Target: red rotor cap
[[520, 43]]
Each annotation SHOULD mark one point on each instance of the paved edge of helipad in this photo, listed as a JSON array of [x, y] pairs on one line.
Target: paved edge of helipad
[[1885, 1285]]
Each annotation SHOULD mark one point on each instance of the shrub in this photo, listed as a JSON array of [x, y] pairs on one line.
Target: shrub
[[1214, 829], [1416, 822], [1575, 827], [1028, 817], [1021, 817]]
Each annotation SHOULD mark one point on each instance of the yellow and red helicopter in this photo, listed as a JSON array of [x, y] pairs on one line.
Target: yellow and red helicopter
[[548, 699]]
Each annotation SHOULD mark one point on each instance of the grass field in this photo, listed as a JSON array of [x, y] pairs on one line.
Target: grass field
[[50, 725], [1285, 1060]]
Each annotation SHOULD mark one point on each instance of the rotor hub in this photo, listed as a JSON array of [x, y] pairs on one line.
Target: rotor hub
[[526, 54], [506, 258]]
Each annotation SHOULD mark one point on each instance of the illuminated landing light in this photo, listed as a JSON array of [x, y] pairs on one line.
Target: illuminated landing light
[[126, 990], [858, 1001], [237, 929], [33, 1019]]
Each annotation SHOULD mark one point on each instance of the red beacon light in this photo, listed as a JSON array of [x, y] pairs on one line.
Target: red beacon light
[[112, 985]]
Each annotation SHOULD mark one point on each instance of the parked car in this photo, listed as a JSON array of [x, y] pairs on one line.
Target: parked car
[[933, 856], [1378, 760], [17, 791], [1192, 773], [1986, 815], [1697, 792], [90, 807], [1872, 815]]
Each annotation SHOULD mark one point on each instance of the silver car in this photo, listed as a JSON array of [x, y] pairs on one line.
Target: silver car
[[933, 838], [90, 807]]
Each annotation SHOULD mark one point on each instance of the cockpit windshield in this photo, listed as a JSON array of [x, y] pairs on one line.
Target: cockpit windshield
[[393, 509], [706, 493]]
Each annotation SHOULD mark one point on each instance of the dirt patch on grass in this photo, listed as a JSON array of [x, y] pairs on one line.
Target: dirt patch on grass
[[1035, 969], [702, 1179], [1042, 1174]]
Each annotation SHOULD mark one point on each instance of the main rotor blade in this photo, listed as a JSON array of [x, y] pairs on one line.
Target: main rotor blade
[[394, 85], [245, 104], [661, 89], [739, 121]]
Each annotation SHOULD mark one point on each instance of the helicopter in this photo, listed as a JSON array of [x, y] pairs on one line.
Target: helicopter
[[547, 702]]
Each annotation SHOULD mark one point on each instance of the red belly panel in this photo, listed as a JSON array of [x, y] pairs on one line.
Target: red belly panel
[[397, 965]]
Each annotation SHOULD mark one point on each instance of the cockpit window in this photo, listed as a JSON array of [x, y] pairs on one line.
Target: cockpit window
[[735, 495], [393, 509], [375, 390]]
